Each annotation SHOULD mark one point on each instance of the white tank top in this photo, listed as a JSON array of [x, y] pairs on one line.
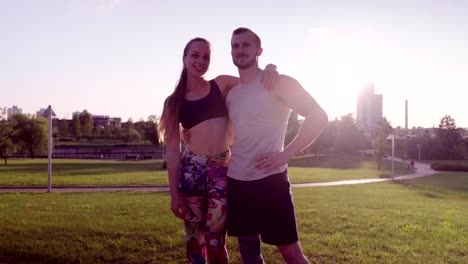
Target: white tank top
[[259, 121]]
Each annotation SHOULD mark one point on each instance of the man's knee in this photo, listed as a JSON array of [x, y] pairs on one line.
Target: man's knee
[[249, 247], [292, 253]]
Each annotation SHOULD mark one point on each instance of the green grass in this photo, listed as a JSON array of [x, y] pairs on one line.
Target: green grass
[[335, 168], [417, 221], [28, 172], [89, 228]]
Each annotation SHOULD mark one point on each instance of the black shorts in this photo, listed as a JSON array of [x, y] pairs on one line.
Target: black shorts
[[263, 207]]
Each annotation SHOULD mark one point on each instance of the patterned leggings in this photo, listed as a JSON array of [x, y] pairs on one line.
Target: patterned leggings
[[202, 184]]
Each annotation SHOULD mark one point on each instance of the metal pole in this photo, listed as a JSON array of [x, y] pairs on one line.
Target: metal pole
[[393, 156], [49, 152], [419, 148], [164, 156]]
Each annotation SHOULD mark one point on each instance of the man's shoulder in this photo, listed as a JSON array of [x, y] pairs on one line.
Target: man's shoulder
[[284, 79], [285, 83]]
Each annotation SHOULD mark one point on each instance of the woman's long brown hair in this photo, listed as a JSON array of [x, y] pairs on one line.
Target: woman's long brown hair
[[173, 102]]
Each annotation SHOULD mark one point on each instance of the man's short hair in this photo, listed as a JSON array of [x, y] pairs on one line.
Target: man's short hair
[[241, 30]]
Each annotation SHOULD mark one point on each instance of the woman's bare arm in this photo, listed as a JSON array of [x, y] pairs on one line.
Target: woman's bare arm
[[173, 164]]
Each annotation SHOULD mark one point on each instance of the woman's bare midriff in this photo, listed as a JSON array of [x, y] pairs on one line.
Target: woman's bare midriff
[[209, 137]]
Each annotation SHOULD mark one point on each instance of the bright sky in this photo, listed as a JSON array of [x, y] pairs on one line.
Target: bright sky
[[123, 58]]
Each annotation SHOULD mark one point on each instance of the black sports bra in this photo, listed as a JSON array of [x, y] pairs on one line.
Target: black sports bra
[[211, 106]]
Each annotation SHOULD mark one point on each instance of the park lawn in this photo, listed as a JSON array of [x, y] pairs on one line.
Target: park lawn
[[67, 172], [75, 172], [416, 221], [336, 168]]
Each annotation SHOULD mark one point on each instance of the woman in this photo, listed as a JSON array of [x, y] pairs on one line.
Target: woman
[[197, 177]]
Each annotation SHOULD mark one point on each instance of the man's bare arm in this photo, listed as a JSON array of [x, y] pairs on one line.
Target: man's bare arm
[[300, 101], [293, 95]]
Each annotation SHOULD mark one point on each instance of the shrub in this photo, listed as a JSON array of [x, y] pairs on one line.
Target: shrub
[[449, 167]]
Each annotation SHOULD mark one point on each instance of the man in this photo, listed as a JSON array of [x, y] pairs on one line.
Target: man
[[259, 198]]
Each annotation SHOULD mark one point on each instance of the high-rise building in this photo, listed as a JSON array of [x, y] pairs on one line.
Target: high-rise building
[[369, 109], [14, 110]]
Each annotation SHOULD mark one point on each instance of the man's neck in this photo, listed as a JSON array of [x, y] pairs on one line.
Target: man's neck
[[250, 74]]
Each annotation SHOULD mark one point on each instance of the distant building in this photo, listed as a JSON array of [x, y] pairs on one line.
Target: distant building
[[103, 120], [369, 109], [3, 113], [40, 112], [13, 111]]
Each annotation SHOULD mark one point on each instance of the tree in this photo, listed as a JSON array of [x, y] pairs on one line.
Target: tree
[[3, 112], [132, 135], [127, 125], [98, 131], [140, 126], [6, 140], [129, 132], [63, 126], [151, 130], [380, 142], [447, 122], [422, 142], [30, 134], [325, 139], [349, 138], [449, 142], [76, 125], [86, 122], [107, 131], [292, 128]]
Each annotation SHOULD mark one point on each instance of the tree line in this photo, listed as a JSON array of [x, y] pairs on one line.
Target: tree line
[[82, 126], [26, 135], [23, 134], [344, 136]]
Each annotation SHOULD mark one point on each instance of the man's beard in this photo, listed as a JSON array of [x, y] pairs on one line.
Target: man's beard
[[245, 65]]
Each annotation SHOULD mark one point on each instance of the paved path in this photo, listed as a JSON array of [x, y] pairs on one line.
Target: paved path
[[422, 170]]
